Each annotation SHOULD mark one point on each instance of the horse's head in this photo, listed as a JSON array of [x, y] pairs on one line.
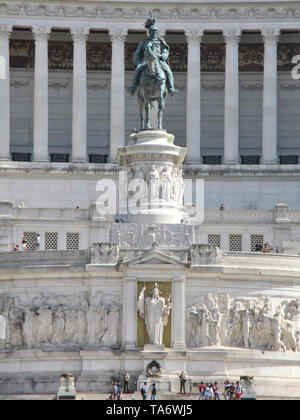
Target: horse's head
[[151, 61]]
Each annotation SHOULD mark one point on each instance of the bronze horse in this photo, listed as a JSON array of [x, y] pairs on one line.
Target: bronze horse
[[152, 87]]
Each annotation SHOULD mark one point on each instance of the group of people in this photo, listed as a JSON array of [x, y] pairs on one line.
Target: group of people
[[211, 391], [152, 391], [16, 248], [117, 392], [266, 247]]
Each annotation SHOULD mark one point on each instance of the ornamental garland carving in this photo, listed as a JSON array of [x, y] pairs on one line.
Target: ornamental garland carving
[[204, 14], [251, 56]]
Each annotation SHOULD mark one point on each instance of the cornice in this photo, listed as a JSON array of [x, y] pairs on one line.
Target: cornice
[[191, 12]]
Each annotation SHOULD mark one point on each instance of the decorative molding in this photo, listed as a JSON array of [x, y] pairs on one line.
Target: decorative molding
[[290, 87], [58, 85], [80, 34], [97, 86], [193, 35], [270, 36], [206, 14], [252, 87], [232, 36], [251, 56], [118, 35], [18, 84], [5, 31], [41, 33], [213, 87]]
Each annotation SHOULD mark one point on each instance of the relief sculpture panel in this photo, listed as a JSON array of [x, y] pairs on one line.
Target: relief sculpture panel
[[61, 321], [256, 323]]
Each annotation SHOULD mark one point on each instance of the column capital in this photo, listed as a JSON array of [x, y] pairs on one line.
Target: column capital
[[5, 31], [270, 36], [80, 34], [232, 36], [41, 33], [193, 35], [118, 35]]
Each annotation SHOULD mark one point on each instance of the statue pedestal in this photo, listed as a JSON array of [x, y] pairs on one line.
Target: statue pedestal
[[152, 159]]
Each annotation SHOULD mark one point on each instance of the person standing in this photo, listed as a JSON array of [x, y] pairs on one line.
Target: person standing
[[153, 392], [216, 391], [183, 380], [144, 391], [38, 242], [119, 391], [126, 378], [201, 391], [238, 391], [24, 244]]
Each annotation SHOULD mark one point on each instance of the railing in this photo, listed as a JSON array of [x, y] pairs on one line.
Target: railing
[[236, 216]]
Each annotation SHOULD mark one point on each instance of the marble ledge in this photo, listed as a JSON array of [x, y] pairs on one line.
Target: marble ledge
[[190, 170]]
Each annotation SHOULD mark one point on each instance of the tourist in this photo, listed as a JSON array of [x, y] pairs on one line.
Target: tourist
[[259, 247], [267, 247], [153, 392], [126, 378], [211, 391], [206, 392], [115, 391], [24, 244], [238, 391], [144, 391], [227, 387], [201, 391], [232, 391], [183, 380], [216, 391], [119, 391], [222, 207], [38, 242]]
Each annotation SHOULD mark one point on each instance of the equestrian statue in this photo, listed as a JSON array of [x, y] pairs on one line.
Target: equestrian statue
[[153, 78]]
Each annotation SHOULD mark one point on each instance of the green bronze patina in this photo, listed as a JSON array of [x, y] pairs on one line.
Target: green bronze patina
[[153, 78]]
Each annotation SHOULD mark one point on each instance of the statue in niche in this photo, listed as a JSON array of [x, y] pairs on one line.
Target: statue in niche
[[166, 184], [155, 311], [153, 183]]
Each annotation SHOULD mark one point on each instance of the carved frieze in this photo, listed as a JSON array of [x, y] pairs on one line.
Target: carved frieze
[[251, 56], [256, 323], [61, 320], [206, 14]]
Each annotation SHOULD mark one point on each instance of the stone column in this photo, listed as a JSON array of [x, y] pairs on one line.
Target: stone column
[[231, 132], [178, 313], [79, 125], [40, 136], [130, 313], [193, 99], [5, 32], [270, 98], [117, 95]]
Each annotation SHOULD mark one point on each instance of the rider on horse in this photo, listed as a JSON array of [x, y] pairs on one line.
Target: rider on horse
[[159, 48]]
